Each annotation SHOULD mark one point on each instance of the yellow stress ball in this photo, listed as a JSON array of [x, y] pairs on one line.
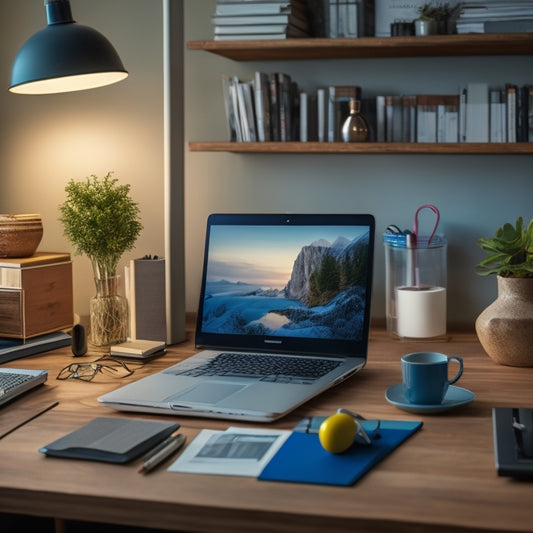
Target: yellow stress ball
[[337, 432]]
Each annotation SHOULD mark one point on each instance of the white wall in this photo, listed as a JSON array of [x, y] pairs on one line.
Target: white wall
[[47, 140], [475, 194]]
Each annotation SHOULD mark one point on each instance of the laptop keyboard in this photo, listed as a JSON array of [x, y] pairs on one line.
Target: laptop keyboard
[[272, 368], [13, 382]]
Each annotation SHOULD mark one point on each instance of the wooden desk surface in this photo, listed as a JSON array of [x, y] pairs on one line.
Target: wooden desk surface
[[443, 478]]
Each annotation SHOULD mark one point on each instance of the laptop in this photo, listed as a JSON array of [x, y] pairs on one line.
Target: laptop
[[283, 315], [16, 381]]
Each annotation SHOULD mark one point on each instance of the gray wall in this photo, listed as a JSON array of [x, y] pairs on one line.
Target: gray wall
[[475, 194]]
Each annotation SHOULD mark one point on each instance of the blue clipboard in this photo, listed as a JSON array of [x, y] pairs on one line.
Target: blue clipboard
[[302, 459]]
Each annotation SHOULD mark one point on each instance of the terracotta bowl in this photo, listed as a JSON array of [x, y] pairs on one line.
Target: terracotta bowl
[[20, 235]]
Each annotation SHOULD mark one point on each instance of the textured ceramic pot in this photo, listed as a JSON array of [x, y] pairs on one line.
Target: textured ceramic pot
[[20, 235], [505, 327]]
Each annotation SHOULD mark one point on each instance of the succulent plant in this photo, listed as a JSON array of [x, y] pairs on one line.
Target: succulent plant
[[511, 251]]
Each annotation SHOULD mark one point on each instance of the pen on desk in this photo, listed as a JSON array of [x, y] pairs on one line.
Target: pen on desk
[[160, 446], [173, 443]]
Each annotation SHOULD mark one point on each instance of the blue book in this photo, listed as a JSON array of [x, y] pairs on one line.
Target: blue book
[[302, 459]]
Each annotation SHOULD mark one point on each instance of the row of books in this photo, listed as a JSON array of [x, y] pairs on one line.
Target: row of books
[[272, 108], [477, 114], [266, 19], [262, 109], [281, 19], [496, 16], [341, 18]]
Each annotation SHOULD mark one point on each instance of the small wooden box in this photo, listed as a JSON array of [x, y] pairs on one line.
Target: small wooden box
[[35, 295]]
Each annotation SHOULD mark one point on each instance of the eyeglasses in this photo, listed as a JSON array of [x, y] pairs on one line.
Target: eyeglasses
[[88, 371]]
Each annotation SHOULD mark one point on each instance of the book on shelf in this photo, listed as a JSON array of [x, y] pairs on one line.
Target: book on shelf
[[530, 112], [312, 117], [368, 112], [409, 118], [497, 26], [285, 106], [262, 106], [380, 119], [304, 113], [260, 29], [322, 109], [426, 117], [274, 106], [393, 118], [450, 111], [230, 110], [477, 112], [511, 112], [497, 128], [251, 7], [262, 20]]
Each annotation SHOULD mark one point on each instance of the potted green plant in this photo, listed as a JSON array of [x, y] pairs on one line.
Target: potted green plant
[[505, 328], [102, 221], [426, 23], [437, 18]]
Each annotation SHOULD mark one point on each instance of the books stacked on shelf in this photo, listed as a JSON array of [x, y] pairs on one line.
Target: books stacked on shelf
[[271, 108], [341, 18], [264, 109], [496, 16], [260, 19], [478, 114]]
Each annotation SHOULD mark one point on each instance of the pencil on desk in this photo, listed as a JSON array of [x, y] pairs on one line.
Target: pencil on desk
[[165, 450], [160, 446]]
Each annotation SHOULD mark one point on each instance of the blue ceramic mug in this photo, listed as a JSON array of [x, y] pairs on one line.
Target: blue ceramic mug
[[425, 377]]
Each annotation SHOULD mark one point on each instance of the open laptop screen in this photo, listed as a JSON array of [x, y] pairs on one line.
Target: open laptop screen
[[287, 283]]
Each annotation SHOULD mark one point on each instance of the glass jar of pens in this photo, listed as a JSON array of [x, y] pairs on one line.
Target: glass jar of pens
[[415, 272]]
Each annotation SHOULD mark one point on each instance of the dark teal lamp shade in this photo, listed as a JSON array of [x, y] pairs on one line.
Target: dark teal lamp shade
[[64, 56]]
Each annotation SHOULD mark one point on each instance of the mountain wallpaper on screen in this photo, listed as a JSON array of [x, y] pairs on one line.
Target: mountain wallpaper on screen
[[324, 297]]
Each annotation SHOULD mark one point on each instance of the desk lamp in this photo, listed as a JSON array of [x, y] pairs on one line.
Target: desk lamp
[[64, 56]]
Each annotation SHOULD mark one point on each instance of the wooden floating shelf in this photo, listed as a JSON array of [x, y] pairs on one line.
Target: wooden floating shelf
[[371, 47], [362, 148]]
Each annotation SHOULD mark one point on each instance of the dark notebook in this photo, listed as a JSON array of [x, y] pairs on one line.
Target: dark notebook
[[112, 440]]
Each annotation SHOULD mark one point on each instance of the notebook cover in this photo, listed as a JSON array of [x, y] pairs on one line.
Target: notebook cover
[[302, 459], [111, 440]]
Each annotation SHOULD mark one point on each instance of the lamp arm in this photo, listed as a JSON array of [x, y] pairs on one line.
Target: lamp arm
[[58, 12]]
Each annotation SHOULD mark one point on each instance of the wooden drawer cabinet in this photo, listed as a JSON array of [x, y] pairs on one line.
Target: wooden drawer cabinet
[[35, 295]]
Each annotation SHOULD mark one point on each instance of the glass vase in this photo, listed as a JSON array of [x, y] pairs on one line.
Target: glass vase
[[109, 313], [354, 128]]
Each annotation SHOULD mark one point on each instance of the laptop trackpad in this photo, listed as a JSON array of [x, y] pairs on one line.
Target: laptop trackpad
[[210, 392]]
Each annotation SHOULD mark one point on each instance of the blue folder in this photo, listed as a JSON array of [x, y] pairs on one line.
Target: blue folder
[[302, 459]]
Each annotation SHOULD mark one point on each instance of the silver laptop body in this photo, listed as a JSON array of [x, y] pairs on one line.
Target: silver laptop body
[[284, 298]]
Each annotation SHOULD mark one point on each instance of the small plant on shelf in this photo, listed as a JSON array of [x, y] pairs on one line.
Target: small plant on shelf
[[443, 15]]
